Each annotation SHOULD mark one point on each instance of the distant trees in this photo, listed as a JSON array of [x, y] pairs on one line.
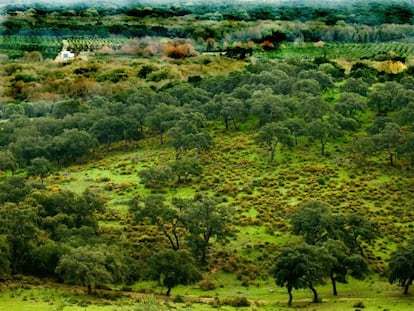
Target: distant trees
[[190, 133], [322, 131], [162, 118]]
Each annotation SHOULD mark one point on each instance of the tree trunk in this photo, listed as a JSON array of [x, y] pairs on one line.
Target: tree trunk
[[333, 280], [407, 285], [226, 123], [323, 147], [315, 294], [161, 138], [290, 295], [272, 153], [235, 125], [168, 291], [89, 289]]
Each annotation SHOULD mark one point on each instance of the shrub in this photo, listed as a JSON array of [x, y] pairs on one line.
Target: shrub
[[359, 305], [207, 284], [237, 302]]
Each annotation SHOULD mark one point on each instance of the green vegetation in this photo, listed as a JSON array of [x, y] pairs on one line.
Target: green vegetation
[[190, 159]]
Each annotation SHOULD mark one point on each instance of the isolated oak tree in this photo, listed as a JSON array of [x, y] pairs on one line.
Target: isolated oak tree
[[271, 134], [343, 262], [206, 219], [167, 218], [171, 268], [401, 266], [302, 266]]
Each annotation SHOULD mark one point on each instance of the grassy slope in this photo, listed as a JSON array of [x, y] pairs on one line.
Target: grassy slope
[[264, 195]]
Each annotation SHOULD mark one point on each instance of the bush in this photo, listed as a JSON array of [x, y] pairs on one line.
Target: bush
[[359, 305], [207, 284], [237, 302]]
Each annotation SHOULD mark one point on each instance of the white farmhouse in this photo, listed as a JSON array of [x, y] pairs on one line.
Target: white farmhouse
[[66, 55]]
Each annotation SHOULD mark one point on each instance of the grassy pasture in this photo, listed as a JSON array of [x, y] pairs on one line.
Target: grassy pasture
[[373, 294], [264, 196]]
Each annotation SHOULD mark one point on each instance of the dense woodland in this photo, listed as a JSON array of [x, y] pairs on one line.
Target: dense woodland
[[218, 138]]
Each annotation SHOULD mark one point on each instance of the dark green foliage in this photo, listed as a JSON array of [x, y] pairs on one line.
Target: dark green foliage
[[15, 188], [4, 255], [206, 219], [273, 133], [314, 221], [156, 178], [63, 211], [108, 130], [388, 140], [349, 103], [19, 227], [91, 267], [7, 161], [323, 131], [185, 169], [172, 268], [302, 266], [162, 118], [343, 262], [401, 266], [39, 167], [71, 145], [190, 133], [168, 219], [406, 149]]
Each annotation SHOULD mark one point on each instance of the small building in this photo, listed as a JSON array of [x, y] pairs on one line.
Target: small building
[[65, 55]]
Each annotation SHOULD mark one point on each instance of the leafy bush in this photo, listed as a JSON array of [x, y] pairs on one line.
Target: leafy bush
[[237, 302], [207, 284]]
